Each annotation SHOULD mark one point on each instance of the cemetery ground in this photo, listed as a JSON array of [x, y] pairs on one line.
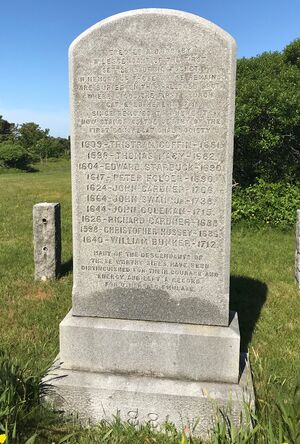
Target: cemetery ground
[[262, 291]]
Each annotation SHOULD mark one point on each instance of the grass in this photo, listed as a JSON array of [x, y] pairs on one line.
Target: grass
[[32, 311], [262, 291]]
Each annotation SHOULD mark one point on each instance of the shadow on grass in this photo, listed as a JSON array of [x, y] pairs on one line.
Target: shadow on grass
[[247, 296], [30, 169], [66, 267]]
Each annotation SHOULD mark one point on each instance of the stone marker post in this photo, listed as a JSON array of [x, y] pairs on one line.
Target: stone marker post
[[47, 240], [150, 335]]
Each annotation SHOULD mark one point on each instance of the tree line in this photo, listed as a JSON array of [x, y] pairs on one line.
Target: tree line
[[267, 123], [22, 145]]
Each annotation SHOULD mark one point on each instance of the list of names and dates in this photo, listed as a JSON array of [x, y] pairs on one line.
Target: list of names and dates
[[151, 168]]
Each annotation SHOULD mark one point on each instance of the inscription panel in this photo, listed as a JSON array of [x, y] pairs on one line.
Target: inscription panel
[[152, 111]]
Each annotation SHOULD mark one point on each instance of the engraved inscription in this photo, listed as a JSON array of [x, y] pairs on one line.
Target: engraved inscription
[[151, 158]]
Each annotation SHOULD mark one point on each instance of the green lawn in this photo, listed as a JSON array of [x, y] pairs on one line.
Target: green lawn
[[262, 283], [32, 311]]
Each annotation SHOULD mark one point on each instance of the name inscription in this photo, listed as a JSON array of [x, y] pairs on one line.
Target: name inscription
[[150, 151]]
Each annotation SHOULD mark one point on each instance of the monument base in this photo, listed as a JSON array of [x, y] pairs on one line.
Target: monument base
[[146, 348], [143, 399]]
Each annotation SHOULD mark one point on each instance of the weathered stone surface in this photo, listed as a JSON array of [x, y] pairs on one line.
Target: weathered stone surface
[[297, 260], [297, 269], [152, 96], [298, 232], [47, 240], [180, 351], [138, 399]]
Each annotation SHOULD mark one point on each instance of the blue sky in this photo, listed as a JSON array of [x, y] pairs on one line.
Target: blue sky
[[35, 35]]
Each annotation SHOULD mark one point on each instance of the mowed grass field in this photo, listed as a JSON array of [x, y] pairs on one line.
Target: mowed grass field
[[262, 283]]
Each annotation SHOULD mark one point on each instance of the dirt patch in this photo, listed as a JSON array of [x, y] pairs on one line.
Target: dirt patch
[[10, 314], [38, 295]]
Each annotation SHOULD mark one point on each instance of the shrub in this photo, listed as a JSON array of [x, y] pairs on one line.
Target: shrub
[[14, 156], [267, 124], [274, 204]]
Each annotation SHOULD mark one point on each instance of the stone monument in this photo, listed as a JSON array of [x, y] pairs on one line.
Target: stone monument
[[46, 240], [150, 335]]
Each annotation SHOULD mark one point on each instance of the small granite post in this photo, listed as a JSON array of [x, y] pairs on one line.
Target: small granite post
[[297, 252], [150, 335], [47, 240]]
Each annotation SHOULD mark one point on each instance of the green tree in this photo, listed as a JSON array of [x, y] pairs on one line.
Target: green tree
[[291, 53], [34, 139], [7, 130], [14, 156], [58, 147], [267, 134]]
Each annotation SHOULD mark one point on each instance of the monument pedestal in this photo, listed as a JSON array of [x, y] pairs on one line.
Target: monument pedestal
[[152, 101], [150, 372], [159, 349]]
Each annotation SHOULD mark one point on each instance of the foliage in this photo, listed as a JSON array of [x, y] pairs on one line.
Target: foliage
[[40, 145], [274, 423], [266, 203], [34, 139], [14, 156], [28, 143], [58, 147], [21, 411], [267, 129], [29, 134], [7, 130], [291, 53]]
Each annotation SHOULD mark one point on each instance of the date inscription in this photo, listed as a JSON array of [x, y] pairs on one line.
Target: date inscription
[[151, 140]]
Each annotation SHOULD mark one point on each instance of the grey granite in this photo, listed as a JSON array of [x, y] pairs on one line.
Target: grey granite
[[158, 349], [152, 100], [144, 399], [47, 240], [298, 231]]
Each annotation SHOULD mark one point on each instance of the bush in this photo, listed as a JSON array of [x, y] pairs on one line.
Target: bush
[[14, 156], [267, 124], [266, 203]]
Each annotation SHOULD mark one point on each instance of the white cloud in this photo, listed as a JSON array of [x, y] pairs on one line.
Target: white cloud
[[56, 121]]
